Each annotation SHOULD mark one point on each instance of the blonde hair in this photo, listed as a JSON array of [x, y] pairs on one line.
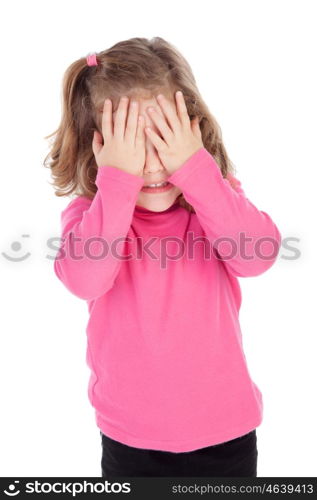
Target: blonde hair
[[153, 66]]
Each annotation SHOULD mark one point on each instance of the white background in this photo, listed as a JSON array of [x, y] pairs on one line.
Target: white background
[[255, 65]]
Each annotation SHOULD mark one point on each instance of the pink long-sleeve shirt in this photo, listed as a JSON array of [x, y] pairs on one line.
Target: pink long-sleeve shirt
[[164, 345]]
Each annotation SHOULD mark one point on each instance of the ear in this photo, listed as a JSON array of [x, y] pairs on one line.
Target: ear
[[195, 126]]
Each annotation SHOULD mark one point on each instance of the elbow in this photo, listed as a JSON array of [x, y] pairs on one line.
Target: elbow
[[84, 286], [263, 253], [243, 270], [252, 269]]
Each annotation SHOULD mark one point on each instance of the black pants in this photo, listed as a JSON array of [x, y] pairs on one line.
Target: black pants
[[235, 458]]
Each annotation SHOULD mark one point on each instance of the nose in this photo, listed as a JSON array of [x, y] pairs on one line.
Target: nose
[[153, 163]]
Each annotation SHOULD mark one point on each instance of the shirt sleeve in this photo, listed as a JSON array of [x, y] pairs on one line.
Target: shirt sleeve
[[242, 236], [93, 233]]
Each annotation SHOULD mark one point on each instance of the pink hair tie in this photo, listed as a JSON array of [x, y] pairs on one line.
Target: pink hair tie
[[92, 59]]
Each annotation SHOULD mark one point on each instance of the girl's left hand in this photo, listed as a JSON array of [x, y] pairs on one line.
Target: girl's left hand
[[181, 139]]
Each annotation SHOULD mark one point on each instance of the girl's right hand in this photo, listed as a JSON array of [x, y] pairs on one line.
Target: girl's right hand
[[123, 147]]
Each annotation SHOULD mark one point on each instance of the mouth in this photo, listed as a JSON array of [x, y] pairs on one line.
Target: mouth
[[157, 187]]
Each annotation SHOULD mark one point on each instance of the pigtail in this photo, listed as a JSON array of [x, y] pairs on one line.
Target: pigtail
[[71, 154]]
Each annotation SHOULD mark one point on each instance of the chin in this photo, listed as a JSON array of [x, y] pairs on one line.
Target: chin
[[157, 205]]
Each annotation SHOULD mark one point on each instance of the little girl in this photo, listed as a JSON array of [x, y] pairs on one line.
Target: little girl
[[158, 266]]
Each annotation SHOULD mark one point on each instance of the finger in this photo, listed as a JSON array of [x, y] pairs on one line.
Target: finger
[[120, 119], [155, 139], [170, 112], [182, 108], [106, 121], [160, 121], [140, 137], [132, 121]]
